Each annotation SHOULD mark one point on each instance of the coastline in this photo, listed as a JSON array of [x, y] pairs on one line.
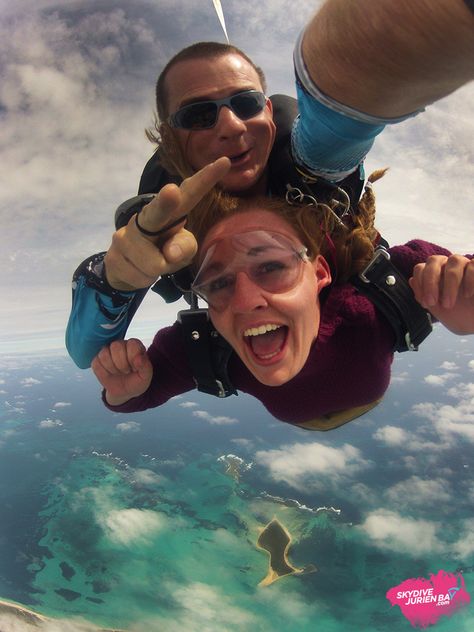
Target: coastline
[[21, 613]]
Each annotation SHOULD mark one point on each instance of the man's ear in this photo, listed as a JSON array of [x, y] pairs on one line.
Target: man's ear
[[269, 106], [322, 272]]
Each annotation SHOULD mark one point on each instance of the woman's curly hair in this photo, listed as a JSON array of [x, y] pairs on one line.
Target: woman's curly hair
[[347, 245]]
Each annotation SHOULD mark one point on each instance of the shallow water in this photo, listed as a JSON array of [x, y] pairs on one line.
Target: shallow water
[[144, 522]]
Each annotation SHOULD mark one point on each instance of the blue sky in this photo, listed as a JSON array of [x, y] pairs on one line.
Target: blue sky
[[76, 94]]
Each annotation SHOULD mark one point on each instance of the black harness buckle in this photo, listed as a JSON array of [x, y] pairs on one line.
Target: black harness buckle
[[390, 292], [208, 353]]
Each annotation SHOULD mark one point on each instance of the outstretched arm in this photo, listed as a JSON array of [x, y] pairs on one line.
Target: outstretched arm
[[101, 314], [445, 287], [388, 58]]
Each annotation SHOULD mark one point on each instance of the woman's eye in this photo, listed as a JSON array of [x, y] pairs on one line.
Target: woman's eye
[[219, 284], [269, 267]]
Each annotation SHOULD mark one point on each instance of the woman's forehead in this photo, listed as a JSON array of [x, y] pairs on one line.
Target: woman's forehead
[[244, 222]]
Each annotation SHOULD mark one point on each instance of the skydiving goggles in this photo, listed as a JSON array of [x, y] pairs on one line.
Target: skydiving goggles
[[204, 114], [270, 260]]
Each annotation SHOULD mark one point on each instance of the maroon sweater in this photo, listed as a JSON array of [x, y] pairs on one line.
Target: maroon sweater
[[349, 363]]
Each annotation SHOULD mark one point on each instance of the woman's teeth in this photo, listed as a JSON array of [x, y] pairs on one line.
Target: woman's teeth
[[258, 331]]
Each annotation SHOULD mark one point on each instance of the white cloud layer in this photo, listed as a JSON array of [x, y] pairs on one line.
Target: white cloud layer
[[419, 492], [128, 426], [391, 436], [215, 420], [77, 91], [391, 531], [50, 423], [127, 527], [451, 422], [301, 464]]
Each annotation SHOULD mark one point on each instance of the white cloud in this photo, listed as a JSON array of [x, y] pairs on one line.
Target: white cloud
[[462, 391], [449, 421], [29, 381], [439, 380], [390, 531], [217, 420], [62, 404], [50, 423], [391, 435], [143, 476], [188, 404], [127, 527], [302, 463], [448, 366], [204, 607], [243, 443], [416, 491], [464, 546], [399, 378], [128, 426]]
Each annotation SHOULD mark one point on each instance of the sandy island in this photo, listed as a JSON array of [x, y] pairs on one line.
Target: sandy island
[[275, 540], [22, 614]]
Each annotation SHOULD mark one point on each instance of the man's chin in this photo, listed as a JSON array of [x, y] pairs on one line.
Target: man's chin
[[244, 184]]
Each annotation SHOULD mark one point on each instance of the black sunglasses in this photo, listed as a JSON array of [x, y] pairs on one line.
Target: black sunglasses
[[204, 114]]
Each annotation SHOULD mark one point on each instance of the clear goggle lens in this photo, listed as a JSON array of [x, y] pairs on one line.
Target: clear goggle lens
[[271, 261]]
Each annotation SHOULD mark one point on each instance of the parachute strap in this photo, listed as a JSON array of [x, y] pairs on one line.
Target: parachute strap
[[208, 353], [390, 292]]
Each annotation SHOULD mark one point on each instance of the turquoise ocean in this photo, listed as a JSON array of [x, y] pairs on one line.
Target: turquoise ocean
[[149, 522]]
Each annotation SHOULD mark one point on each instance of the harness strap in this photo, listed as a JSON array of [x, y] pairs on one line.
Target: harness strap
[[390, 292], [208, 353]]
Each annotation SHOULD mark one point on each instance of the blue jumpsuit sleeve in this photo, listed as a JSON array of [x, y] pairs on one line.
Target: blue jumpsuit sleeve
[[329, 138], [97, 319]]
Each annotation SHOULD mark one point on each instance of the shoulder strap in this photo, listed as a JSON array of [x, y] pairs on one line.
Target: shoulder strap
[[390, 292], [208, 353]]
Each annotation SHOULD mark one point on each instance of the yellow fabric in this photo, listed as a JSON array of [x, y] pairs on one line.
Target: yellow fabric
[[339, 418]]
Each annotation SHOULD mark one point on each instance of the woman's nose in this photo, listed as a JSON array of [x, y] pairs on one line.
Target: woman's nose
[[247, 295]]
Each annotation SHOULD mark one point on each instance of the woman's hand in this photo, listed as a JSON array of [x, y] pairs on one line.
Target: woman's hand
[[124, 370], [445, 287]]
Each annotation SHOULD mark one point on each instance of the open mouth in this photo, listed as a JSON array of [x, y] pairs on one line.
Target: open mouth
[[266, 341], [238, 158]]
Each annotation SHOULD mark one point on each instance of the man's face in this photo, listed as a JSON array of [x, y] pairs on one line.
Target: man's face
[[247, 143]]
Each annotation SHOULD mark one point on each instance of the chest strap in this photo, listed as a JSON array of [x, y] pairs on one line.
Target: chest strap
[[208, 353], [383, 284]]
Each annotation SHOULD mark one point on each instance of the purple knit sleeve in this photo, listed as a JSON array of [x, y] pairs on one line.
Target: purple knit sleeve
[[416, 251]]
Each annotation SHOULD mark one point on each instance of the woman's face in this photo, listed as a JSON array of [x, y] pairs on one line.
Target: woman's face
[[271, 332]]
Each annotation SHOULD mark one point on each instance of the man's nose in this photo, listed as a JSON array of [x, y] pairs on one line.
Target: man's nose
[[228, 123], [247, 295]]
